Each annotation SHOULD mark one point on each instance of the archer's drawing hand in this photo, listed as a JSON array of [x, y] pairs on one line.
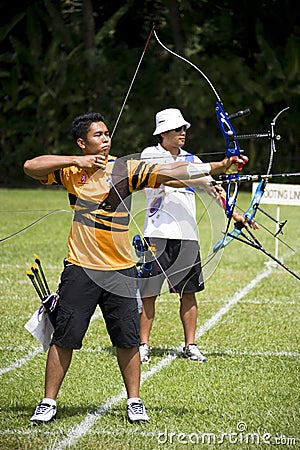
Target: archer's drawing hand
[[90, 161]]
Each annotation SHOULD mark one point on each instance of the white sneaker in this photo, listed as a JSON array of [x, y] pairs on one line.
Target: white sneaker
[[145, 353], [192, 352], [136, 411], [43, 413]]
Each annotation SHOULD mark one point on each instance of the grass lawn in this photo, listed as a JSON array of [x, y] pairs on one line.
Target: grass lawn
[[245, 396]]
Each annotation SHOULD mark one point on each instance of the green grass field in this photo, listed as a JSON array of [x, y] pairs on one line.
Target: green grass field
[[245, 396]]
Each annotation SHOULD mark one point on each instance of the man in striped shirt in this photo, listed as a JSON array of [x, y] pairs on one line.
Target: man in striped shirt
[[99, 268]]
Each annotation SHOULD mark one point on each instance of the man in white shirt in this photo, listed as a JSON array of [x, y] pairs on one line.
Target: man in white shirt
[[171, 232]]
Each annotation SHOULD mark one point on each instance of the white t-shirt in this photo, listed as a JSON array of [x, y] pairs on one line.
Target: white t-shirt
[[170, 212]]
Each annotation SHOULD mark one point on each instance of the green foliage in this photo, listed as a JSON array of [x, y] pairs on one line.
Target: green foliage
[[46, 77]]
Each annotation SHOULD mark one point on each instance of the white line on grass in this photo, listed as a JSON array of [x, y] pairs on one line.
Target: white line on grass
[[21, 361], [34, 353], [77, 431], [263, 353], [271, 302], [214, 319], [208, 351], [20, 266]]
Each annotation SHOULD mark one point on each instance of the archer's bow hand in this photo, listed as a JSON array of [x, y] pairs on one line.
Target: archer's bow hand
[[235, 163], [242, 220]]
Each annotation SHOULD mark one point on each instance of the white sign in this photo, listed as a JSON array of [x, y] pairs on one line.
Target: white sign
[[280, 194]]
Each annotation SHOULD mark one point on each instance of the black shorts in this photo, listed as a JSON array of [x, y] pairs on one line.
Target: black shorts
[[79, 294], [180, 261]]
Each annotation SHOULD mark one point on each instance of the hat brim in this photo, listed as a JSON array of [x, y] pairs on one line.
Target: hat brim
[[164, 127]]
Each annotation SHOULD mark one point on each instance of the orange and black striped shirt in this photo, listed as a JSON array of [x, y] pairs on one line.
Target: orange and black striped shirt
[[101, 200]]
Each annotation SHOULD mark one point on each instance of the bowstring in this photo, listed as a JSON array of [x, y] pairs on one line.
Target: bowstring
[[121, 111], [112, 134], [122, 108], [34, 222], [213, 254]]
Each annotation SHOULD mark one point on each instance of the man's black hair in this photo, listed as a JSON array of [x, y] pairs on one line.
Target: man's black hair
[[81, 124]]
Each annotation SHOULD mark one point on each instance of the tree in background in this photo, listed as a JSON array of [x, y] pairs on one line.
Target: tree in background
[[63, 57]]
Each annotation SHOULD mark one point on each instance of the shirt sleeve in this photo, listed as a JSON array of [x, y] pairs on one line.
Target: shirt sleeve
[[53, 178], [141, 174]]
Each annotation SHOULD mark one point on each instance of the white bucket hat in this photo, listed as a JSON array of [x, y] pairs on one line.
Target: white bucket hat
[[169, 119]]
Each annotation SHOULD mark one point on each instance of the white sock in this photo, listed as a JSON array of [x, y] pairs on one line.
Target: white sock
[[49, 401], [133, 400]]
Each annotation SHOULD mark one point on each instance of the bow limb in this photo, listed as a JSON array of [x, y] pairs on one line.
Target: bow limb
[[249, 216], [238, 235], [191, 64], [132, 81]]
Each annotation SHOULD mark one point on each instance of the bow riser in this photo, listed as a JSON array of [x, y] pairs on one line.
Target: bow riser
[[232, 149], [232, 144]]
